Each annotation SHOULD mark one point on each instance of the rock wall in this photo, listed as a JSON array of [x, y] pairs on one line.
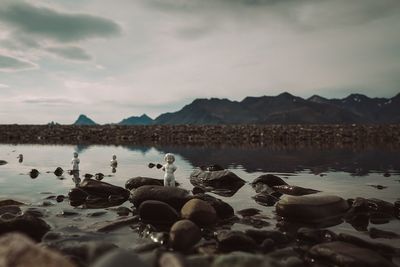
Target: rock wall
[[203, 135]]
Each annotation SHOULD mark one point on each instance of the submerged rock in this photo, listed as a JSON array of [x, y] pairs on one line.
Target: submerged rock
[[265, 199], [173, 196], [26, 223], [222, 182], [18, 250], [59, 171], [184, 234], [199, 212], [248, 212], [294, 190], [157, 212], [34, 173], [345, 254], [311, 209]]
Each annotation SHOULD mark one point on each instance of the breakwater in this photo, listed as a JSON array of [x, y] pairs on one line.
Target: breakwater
[[259, 135]]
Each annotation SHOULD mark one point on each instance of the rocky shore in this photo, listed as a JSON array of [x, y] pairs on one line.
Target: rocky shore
[[186, 228], [260, 135]]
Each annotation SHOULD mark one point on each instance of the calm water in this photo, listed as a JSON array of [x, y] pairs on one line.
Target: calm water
[[346, 173]]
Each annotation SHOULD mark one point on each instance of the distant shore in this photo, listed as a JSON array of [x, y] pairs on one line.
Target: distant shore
[[257, 135]]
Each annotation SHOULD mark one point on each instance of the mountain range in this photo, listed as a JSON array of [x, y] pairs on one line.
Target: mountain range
[[284, 108]]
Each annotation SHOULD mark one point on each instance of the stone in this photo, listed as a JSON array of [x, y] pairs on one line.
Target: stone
[[294, 190], [223, 182], [107, 226], [27, 224], [266, 182], [265, 199], [169, 259], [311, 208], [315, 236], [59, 171], [199, 260], [200, 212], [10, 210], [345, 254], [259, 236], [16, 250], [10, 202], [377, 233], [34, 173], [235, 241], [119, 258], [139, 181], [173, 196], [248, 212], [3, 162], [184, 234], [157, 212], [381, 206], [223, 209], [239, 259]]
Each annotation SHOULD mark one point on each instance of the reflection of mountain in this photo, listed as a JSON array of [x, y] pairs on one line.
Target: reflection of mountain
[[291, 160], [142, 149], [81, 148]]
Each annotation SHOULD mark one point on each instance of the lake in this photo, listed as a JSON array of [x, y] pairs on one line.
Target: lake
[[348, 173]]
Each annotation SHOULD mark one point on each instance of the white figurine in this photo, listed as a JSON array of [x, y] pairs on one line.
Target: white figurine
[[169, 168], [75, 162], [114, 162]]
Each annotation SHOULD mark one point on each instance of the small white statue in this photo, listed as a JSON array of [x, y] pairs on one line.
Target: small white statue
[[114, 162], [169, 168], [75, 162]]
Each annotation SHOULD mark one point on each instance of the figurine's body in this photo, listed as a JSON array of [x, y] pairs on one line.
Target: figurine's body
[[75, 162], [169, 168], [114, 162]]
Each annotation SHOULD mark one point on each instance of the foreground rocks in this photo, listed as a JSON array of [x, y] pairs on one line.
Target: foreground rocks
[[17, 250]]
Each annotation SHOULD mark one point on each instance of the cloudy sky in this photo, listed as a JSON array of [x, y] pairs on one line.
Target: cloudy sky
[[114, 59]]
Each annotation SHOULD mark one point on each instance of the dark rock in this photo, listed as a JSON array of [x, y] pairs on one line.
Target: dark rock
[[248, 212], [59, 171], [60, 198], [223, 209], [34, 173], [96, 213], [88, 176], [119, 258], [239, 259], [377, 233], [3, 162], [345, 254], [199, 260], [265, 199], [314, 208], [381, 206], [123, 211], [67, 213], [184, 234], [31, 226], [198, 190], [136, 182], [10, 202], [169, 259], [235, 241], [378, 186], [98, 194], [267, 245], [173, 196], [294, 190], [199, 212], [99, 176], [12, 210], [266, 182], [223, 182], [212, 168], [387, 174], [252, 221], [36, 212], [16, 250], [157, 212], [314, 236], [259, 236]]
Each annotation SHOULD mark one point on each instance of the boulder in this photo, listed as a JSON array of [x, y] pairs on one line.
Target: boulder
[[222, 182], [184, 234], [265, 199], [139, 181], [223, 209], [266, 182], [199, 212], [173, 196], [30, 225], [294, 190], [311, 209], [235, 241], [157, 212], [345, 254], [17, 250]]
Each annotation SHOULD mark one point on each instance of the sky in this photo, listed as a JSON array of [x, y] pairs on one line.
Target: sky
[[115, 59]]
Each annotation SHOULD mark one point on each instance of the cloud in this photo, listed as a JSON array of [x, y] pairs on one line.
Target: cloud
[[48, 101], [2, 85], [10, 64], [56, 25], [70, 52]]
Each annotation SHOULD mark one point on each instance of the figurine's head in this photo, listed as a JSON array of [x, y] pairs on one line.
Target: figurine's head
[[114, 157], [75, 154], [169, 158]]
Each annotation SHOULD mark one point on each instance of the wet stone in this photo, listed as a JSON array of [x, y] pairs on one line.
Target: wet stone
[[314, 236], [259, 236], [139, 181], [223, 209], [10, 202], [264, 183], [377, 233], [239, 259], [120, 258], [294, 190], [265, 199], [345, 254], [3, 162], [169, 259], [34, 173], [184, 234], [235, 241], [157, 212], [200, 212], [248, 212]]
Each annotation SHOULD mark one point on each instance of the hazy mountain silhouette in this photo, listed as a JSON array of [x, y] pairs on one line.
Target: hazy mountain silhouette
[[142, 120], [84, 120]]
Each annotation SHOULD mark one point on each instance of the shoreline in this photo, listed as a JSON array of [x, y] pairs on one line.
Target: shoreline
[[335, 135]]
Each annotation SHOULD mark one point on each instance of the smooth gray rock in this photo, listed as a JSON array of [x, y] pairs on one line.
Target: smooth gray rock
[[157, 212], [311, 208], [184, 234], [199, 212]]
